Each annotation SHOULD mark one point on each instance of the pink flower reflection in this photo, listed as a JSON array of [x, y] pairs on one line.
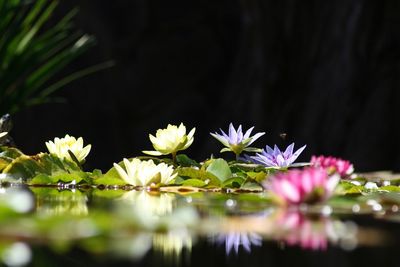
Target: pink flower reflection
[[295, 229], [333, 165], [304, 232]]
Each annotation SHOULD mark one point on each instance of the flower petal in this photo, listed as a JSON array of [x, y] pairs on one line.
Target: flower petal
[[296, 155], [153, 153]]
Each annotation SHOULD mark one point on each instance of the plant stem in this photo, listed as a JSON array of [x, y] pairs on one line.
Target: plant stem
[[174, 157]]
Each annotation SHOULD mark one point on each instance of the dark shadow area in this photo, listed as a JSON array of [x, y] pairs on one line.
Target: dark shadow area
[[327, 73]]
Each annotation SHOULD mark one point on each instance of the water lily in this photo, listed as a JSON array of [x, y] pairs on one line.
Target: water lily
[[3, 134], [236, 141], [63, 147], [142, 173], [302, 186], [170, 140], [333, 165], [276, 158]]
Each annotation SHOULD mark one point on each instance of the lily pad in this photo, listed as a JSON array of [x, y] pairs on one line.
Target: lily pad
[[220, 168]]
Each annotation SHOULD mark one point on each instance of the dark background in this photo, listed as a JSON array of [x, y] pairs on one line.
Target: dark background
[[326, 73]]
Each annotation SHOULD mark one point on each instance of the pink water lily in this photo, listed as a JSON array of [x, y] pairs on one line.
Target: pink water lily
[[333, 165], [297, 186]]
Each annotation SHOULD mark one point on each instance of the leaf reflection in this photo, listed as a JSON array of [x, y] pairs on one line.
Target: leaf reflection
[[51, 201]]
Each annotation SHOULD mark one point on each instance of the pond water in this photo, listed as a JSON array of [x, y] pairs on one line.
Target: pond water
[[52, 226]]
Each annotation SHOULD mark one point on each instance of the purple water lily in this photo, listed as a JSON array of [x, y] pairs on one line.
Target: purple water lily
[[276, 158], [236, 141]]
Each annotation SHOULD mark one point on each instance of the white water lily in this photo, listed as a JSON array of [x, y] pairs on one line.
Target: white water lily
[[170, 140], [141, 173], [3, 134], [61, 148]]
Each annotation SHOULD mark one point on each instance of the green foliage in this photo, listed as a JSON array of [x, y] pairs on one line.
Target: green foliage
[[220, 168], [110, 178], [234, 182], [199, 174], [194, 183], [184, 161], [32, 53], [40, 169]]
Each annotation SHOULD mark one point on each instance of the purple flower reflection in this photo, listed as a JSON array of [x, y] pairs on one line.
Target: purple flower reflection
[[233, 240]]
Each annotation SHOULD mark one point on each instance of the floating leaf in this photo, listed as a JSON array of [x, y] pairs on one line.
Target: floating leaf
[[251, 186], [41, 179], [209, 178], [194, 183], [257, 176], [234, 182], [109, 178], [390, 188], [220, 168], [346, 187]]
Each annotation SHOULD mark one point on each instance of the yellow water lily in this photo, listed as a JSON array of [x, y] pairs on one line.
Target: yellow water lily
[[170, 140], [61, 147], [141, 173]]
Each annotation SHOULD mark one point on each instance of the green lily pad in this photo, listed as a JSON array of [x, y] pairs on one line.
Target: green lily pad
[[194, 183], [234, 182], [209, 178], [220, 168]]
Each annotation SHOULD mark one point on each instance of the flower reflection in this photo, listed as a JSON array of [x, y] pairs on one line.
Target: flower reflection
[[304, 232], [233, 240], [297, 229], [241, 231], [155, 204], [173, 243]]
